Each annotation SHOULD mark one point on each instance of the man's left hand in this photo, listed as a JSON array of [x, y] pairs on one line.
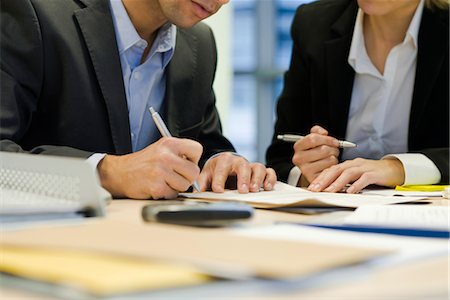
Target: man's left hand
[[248, 177]]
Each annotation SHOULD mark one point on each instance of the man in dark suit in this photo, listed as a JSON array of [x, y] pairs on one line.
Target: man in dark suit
[[78, 77], [372, 72]]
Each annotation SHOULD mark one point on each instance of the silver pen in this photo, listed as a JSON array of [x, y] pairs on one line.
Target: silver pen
[[165, 132], [293, 138]]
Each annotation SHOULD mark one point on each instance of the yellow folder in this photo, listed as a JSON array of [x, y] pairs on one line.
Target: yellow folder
[[96, 273]]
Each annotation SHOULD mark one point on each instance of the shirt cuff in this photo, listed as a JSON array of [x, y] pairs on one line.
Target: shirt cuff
[[419, 169], [294, 176], [95, 159]]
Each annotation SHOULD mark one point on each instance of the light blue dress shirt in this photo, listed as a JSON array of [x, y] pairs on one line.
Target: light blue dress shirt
[[145, 83]]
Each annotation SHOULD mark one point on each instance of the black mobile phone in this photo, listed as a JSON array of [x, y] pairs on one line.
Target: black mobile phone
[[197, 213]]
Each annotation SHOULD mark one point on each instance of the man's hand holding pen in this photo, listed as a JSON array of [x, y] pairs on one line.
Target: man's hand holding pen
[[158, 171]]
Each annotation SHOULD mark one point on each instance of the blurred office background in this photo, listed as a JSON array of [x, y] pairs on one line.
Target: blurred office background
[[254, 45]]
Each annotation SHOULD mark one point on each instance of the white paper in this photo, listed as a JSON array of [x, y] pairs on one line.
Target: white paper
[[286, 195], [402, 216]]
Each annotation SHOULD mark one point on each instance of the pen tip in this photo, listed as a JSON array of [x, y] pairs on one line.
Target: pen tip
[[196, 186], [152, 110]]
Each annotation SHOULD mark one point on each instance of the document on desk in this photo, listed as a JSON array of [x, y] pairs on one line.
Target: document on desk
[[285, 195], [431, 217]]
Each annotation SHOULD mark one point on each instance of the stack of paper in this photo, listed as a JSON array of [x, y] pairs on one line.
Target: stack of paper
[[284, 195]]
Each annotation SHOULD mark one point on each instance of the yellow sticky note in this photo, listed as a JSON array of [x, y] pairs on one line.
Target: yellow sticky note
[[96, 273], [421, 188]]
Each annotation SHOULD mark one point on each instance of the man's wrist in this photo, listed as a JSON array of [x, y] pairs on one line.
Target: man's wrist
[[223, 153], [107, 175]]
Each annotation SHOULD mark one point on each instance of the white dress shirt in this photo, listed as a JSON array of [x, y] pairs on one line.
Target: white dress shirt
[[380, 105]]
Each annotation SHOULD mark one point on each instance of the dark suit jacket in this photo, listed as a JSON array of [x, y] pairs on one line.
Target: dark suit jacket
[[319, 82], [62, 90]]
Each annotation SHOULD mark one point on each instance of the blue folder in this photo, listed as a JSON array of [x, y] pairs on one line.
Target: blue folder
[[428, 233]]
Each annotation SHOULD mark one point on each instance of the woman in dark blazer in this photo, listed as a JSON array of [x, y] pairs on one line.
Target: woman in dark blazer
[[372, 72]]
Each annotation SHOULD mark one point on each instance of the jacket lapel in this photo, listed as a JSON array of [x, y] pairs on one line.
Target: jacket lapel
[[181, 70], [431, 53], [340, 74], [97, 28]]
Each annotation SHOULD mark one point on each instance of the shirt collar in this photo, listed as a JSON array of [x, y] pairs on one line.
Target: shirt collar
[[413, 29], [127, 35], [357, 48], [358, 51], [165, 42]]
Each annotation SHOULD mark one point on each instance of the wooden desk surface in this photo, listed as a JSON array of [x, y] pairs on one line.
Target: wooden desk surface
[[424, 279]]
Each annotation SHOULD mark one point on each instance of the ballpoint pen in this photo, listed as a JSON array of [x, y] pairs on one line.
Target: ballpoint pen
[[165, 132], [293, 138]]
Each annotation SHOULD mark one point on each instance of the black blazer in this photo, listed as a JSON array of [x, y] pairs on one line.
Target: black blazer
[[319, 82], [62, 90]]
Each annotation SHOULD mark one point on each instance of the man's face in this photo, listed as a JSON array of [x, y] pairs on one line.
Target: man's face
[[187, 13]]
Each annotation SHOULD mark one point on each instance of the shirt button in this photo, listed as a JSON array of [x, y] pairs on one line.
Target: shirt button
[[137, 75]]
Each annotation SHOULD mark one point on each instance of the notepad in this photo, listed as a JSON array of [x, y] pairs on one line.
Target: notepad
[[285, 195], [96, 273]]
